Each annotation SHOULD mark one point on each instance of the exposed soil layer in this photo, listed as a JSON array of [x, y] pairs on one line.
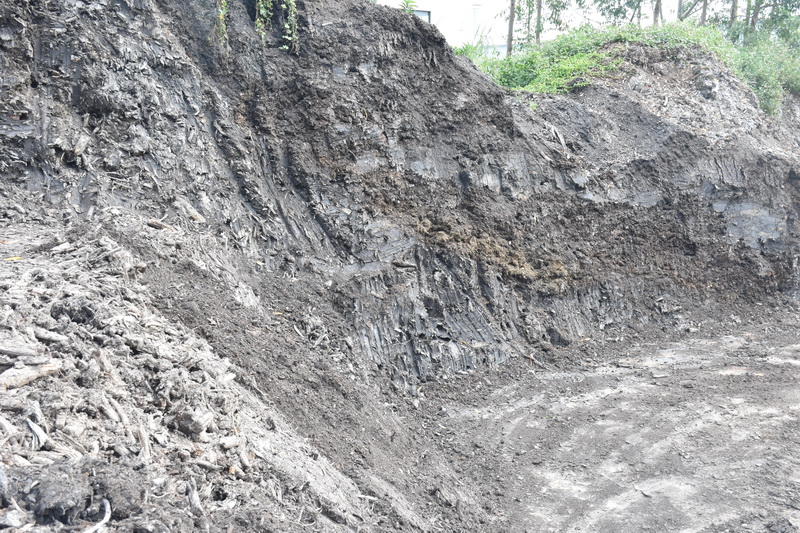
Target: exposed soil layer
[[355, 287]]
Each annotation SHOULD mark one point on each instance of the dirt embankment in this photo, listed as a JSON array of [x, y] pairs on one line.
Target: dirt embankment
[[241, 269]]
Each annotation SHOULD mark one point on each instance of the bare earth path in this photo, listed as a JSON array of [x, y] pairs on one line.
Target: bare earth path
[[698, 435]]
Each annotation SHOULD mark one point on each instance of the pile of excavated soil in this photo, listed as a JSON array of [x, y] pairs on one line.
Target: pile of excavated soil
[[249, 290]]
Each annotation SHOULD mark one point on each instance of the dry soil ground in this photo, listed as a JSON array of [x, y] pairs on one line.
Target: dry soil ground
[[699, 434]]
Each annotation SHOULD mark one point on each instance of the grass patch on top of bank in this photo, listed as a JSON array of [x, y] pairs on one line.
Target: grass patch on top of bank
[[771, 68], [571, 60]]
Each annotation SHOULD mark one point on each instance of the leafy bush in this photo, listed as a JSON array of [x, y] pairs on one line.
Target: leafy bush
[[408, 5], [771, 68], [475, 51], [221, 23], [572, 59], [540, 71]]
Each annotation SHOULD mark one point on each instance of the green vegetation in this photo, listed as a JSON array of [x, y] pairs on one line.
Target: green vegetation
[[263, 18], [290, 36], [221, 23], [264, 13], [771, 68], [475, 51], [408, 5], [770, 65]]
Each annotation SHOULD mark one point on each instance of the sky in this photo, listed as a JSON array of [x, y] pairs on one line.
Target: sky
[[465, 21]]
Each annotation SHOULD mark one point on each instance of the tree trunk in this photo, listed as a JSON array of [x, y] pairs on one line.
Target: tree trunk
[[657, 13], [511, 14], [528, 20], [680, 9], [755, 13], [734, 13], [687, 8], [704, 13], [539, 23]]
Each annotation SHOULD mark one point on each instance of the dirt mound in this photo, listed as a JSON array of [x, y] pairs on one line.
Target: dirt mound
[[235, 272]]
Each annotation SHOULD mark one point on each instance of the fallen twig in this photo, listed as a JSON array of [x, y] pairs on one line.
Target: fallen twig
[[123, 417], [17, 351], [39, 436], [17, 377], [144, 443], [208, 466], [194, 499], [106, 517], [157, 224], [7, 426], [49, 336]]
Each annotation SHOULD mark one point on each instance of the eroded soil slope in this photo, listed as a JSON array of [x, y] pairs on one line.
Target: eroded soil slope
[[236, 276]]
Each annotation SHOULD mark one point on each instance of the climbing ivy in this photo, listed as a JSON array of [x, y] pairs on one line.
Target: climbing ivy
[[263, 18], [291, 38], [263, 21], [221, 23]]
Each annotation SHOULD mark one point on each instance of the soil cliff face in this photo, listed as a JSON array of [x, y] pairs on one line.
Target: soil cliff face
[[349, 222]]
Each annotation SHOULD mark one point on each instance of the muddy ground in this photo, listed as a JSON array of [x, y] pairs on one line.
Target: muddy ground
[[362, 288]]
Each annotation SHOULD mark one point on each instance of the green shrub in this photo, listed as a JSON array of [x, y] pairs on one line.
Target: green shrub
[[762, 75], [771, 68], [475, 51], [408, 5], [572, 59]]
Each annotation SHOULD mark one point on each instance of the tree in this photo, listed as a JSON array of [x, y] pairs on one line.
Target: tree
[[534, 14], [512, 12], [657, 12], [734, 13], [779, 18], [620, 11], [539, 22]]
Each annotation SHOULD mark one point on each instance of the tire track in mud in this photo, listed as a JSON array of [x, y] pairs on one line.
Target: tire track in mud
[[697, 435]]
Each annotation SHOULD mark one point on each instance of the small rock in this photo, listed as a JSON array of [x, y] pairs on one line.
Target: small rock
[[13, 518], [78, 309], [230, 442], [194, 422]]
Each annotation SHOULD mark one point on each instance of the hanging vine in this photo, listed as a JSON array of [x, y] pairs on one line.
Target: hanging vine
[[291, 38], [221, 23], [265, 9], [263, 18]]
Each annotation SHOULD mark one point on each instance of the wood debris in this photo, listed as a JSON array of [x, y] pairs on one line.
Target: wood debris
[[17, 377]]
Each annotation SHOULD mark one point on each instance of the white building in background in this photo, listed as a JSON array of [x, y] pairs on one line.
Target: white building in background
[[464, 21]]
